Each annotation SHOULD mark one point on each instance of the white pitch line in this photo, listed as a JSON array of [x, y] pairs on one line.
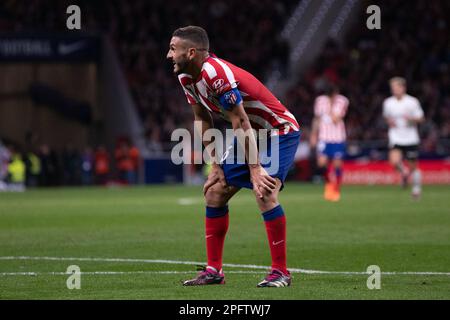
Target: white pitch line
[[230, 265], [32, 273]]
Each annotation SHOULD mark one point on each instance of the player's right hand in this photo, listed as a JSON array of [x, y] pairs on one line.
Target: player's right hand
[[215, 176], [391, 123], [262, 181], [313, 141]]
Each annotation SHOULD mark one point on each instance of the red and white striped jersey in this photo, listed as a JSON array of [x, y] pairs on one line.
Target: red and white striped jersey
[[218, 76], [324, 108]]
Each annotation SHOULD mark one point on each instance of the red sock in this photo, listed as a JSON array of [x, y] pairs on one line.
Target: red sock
[[276, 233], [338, 173], [216, 229], [325, 173]]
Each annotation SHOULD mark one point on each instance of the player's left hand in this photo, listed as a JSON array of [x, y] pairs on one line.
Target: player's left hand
[[262, 181], [215, 176]]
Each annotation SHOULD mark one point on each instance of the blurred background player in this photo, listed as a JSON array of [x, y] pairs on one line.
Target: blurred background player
[[328, 135], [403, 113], [5, 156]]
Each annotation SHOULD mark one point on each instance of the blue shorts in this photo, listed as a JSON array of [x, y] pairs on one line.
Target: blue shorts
[[277, 158], [331, 150]]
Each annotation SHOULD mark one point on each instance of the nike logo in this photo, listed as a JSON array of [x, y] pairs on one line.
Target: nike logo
[[65, 49], [277, 243], [208, 236]]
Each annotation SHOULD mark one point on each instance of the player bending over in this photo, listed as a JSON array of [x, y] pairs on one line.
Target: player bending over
[[328, 134], [215, 85], [403, 113]]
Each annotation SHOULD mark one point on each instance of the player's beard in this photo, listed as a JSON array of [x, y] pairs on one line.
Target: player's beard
[[181, 66]]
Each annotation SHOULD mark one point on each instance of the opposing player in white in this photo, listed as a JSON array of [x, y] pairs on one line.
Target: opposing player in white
[[403, 113]]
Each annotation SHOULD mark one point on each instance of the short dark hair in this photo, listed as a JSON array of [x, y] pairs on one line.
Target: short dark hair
[[330, 88], [195, 34]]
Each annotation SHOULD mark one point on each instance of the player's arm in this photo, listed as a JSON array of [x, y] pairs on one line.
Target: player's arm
[[241, 125], [390, 121], [338, 113], [202, 122], [417, 114], [336, 118], [415, 120], [386, 115], [416, 117], [314, 132]]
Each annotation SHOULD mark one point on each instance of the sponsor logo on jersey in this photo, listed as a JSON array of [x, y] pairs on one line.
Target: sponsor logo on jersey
[[218, 83]]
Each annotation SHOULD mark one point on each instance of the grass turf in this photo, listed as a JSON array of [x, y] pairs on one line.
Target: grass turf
[[369, 226]]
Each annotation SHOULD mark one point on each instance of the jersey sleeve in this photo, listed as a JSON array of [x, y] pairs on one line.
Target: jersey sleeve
[[385, 109], [219, 77], [417, 111], [340, 107], [185, 81], [317, 109]]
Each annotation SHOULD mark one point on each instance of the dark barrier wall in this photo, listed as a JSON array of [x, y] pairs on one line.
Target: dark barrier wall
[[162, 170]]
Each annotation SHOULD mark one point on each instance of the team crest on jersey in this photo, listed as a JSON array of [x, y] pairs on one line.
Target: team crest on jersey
[[230, 97]]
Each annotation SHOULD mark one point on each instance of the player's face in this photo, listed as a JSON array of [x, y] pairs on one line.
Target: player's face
[[397, 89], [178, 55]]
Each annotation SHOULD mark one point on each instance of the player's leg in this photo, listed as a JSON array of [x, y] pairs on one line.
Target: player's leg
[[216, 222], [216, 227], [338, 171], [396, 160], [275, 222], [412, 155], [416, 179], [335, 193], [322, 161], [322, 167]]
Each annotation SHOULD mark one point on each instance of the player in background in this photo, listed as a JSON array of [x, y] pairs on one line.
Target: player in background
[[403, 113], [328, 136], [215, 85]]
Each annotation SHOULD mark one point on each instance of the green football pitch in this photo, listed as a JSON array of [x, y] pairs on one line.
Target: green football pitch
[[140, 243]]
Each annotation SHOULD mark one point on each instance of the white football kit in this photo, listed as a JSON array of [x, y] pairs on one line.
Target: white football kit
[[404, 133]]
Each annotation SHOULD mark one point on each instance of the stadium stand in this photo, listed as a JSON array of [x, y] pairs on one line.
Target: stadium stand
[[364, 62], [140, 31]]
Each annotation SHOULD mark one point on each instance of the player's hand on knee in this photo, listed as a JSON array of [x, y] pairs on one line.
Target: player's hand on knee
[[262, 182], [215, 176]]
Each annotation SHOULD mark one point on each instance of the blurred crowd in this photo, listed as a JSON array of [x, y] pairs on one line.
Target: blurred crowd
[[20, 168], [413, 43], [245, 33]]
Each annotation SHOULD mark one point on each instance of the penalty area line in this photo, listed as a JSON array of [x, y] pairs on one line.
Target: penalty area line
[[230, 265]]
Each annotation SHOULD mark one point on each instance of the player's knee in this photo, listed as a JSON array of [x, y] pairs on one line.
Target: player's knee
[[216, 195], [268, 201], [394, 160], [337, 163], [413, 165], [322, 161]]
